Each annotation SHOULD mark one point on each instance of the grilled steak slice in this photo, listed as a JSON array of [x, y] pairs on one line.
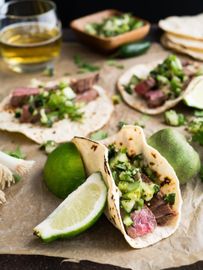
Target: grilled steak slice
[[27, 117], [145, 178], [21, 95], [82, 85], [143, 87], [155, 98], [144, 222], [87, 96], [161, 209]]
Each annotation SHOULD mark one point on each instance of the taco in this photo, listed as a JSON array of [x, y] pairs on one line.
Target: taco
[[56, 110], [144, 199], [155, 87]]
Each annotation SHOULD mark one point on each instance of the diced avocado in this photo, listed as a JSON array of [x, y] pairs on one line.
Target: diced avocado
[[121, 166], [126, 176], [69, 93], [129, 174], [172, 118], [134, 186], [62, 85], [176, 85], [147, 191], [43, 117], [120, 157], [127, 187], [162, 79], [127, 220], [133, 195], [139, 204], [123, 186], [127, 205], [90, 28]]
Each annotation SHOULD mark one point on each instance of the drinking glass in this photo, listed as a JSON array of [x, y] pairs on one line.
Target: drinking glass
[[30, 34]]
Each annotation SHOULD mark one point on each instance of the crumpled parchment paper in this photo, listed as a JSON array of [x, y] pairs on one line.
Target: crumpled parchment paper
[[29, 201]]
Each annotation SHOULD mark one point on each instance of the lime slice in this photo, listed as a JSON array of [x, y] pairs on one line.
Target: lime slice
[[195, 96], [77, 212], [64, 170]]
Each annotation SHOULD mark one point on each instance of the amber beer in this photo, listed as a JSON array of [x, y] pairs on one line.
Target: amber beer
[[29, 44]]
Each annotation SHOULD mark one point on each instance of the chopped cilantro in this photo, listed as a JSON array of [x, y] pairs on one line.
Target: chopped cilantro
[[114, 63], [170, 198], [18, 113], [16, 177], [156, 188], [17, 153], [121, 124], [83, 66], [131, 85]]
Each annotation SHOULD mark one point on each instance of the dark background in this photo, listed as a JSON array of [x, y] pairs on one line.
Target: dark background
[[151, 10]]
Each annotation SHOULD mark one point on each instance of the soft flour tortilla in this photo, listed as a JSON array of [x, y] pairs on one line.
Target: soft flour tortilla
[[96, 115], [184, 26], [95, 157], [137, 102], [168, 43], [194, 45]]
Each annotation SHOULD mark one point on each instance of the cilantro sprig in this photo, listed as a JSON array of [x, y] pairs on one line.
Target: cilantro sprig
[[17, 153], [83, 66]]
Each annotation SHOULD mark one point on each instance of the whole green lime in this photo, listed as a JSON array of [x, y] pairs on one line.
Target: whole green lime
[[179, 153], [64, 170]]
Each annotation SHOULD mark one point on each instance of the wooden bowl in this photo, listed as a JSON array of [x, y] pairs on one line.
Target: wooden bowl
[[107, 44]]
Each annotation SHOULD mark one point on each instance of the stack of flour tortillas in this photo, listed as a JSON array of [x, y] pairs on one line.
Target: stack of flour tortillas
[[184, 34]]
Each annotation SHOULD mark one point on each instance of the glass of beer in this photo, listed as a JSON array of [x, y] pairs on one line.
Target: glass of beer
[[30, 34]]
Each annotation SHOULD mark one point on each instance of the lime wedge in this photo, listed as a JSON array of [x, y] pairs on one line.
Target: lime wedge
[[195, 97], [77, 212]]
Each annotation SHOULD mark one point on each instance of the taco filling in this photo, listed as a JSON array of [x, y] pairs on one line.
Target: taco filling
[[165, 82], [44, 105], [143, 206]]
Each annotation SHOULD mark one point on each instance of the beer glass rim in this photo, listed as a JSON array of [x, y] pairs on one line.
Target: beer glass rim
[[51, 3]]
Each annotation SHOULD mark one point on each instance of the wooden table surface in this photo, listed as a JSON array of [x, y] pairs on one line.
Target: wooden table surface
[[32, 262]]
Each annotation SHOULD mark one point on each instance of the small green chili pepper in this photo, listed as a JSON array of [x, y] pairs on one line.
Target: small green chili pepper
[[132, 49]]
